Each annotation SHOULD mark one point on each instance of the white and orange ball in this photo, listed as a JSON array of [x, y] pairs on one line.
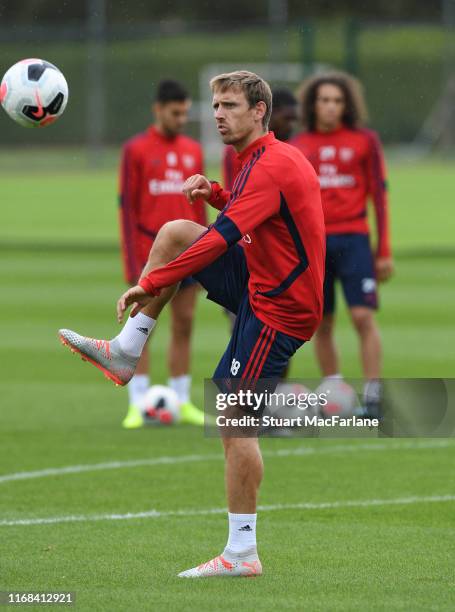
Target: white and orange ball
[[34, 93]]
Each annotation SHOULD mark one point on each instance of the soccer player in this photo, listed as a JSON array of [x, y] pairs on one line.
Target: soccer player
[[263, 258], [154, 166], [282, 124], [350, 165]]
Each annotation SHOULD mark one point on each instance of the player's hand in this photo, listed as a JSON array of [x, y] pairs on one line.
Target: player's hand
[[135, 296], [384, 268], [197, 186]]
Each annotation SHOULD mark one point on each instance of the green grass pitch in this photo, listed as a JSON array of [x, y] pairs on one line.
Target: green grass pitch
[[346, 525]]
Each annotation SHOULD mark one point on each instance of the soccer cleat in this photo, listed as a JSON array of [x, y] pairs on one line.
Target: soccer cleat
[[106, 355], [228, 564], [133, 419], [190, 414]]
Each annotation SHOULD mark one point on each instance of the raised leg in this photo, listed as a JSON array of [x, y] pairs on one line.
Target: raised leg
[[172, 239]]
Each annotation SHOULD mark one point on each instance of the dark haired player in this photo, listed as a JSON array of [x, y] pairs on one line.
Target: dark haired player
[[154, 167], [349, 161], [263, 258]]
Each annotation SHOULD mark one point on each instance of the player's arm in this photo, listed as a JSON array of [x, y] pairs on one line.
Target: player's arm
[[259, 200], [377, 187], [129, 201]]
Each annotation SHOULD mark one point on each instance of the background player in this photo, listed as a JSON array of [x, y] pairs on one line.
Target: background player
[[153, 169], [282, 123], [349, 161], [263, 259]]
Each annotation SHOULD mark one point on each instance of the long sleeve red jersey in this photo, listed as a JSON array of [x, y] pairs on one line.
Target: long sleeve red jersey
[[275, 210], [351, 168], [152, 172]]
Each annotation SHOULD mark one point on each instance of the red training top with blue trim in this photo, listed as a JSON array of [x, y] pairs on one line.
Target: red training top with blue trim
[[275, 210], [350, 166]]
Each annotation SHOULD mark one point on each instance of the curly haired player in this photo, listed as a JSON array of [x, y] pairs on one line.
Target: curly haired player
[[350, 165]]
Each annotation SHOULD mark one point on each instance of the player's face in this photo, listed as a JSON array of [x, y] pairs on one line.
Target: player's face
[[172, 117], [329, 106], [283, 122], [234, 117]]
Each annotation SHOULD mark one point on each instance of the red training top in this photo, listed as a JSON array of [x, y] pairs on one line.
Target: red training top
[[350, 166], [153, 170], [275, 205]]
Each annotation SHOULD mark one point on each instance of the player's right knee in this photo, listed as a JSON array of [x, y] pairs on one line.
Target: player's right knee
[[179, 233]]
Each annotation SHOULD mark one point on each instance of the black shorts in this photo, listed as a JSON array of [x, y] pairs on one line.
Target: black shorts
[[255, 350], [350, 260]]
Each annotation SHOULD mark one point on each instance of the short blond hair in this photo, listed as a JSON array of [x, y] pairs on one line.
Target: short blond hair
[[253, 86]]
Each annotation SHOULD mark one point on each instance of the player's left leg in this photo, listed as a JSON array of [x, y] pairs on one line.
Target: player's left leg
[[118, 358], [357, 275], [243, 475], [179, 356]]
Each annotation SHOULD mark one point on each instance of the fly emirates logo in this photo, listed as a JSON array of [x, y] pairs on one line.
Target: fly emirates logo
[[171, 184], [328, 169]]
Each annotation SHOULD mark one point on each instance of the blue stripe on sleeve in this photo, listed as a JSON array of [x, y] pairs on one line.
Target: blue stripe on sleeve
[[228, 229]]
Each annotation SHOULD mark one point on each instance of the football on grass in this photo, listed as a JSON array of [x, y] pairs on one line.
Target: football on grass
[[160, 406], [34, 93]]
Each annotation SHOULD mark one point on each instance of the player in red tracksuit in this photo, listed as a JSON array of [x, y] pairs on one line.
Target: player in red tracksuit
[[282, 123], [154, 167], [263, 259], [349, 161]]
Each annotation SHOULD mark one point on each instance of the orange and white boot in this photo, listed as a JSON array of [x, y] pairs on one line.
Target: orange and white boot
[[235, 565], [106, 355]]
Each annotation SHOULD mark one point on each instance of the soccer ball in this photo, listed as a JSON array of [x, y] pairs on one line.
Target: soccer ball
[[34, 93], [338, 398], [160, 405]]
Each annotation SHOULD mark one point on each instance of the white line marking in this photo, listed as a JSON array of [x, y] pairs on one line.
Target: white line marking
[[285, 452], [109, 465], [362, 503]]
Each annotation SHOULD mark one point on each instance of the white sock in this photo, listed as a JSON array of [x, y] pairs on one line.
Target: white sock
[[242, 532], [181, 385], [372, 391], [137, 388], [336, 376], [135, 333]]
